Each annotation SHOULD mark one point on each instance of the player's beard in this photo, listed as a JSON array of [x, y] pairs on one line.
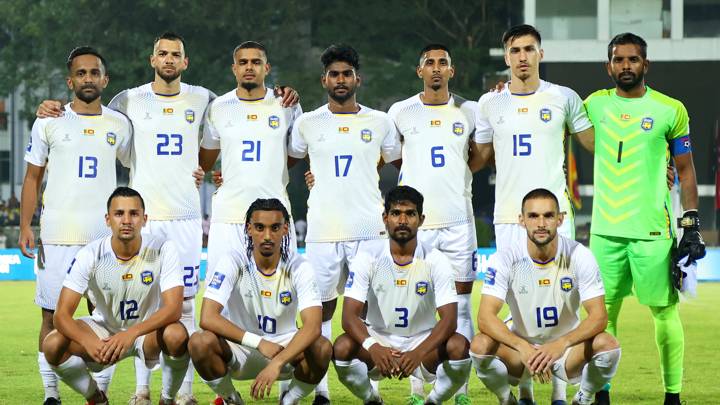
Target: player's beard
[[551, 237], [341, 99], [249, 86], [403, 238], [88, 97], [630, 84], [168, 77]]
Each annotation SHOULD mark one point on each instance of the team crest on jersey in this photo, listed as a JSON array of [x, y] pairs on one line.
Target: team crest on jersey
[[274, 121], [190, 116], [350, 279], [285, 298], [489, 276], [545, 114], [421, 288], [566, 284], [111, 138], [646, 123], [458, 128], [366, 135], [216, 281], [147, 277]]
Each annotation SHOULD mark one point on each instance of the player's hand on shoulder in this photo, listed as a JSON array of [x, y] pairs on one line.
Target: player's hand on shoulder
[[50, 109], [217, 178], [385, 360], [264, 381], [290, 97], [269, 349], [26, 241], [499, 86], [116, 345], [199, 175], [309, 179]]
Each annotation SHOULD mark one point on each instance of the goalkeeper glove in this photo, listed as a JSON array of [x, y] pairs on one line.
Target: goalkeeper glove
[[691, 244]]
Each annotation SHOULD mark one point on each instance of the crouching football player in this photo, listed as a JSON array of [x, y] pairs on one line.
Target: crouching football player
[[544, 278], [137, 287], [404, 284], [261, 289]]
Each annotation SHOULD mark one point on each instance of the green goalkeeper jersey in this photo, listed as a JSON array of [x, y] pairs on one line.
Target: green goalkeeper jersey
[[634, 139]]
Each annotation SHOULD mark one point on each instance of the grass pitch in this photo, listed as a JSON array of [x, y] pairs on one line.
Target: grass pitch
[[638, 380]]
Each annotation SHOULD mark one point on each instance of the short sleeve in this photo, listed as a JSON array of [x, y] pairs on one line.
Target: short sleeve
[[576, 118], [295, 113], [36, 152], [306, 286], [590, 284], [120, 102], [483, 130], [681, 123], [78, 275], [298, 147], [170, 272], [222, 281], [391, 146], [443, 280], [497, 280], [358, 280], [211, 136], [124, 149]]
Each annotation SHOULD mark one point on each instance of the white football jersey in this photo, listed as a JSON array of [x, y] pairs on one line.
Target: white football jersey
[[125, 292], [79, 152], [435, 145], [252, 136], [544, 298], [528, 132], [264, 305], [165, 147], [345, 203], [402, 299]]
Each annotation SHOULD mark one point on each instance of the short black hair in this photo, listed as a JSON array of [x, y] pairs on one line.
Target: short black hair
[[171, 36], [628, 38], [268, 204], [518, 31], [540, 193], [125, 192], [404, 193], [85, 50], [340, 53], [433, 47], [249, 45]]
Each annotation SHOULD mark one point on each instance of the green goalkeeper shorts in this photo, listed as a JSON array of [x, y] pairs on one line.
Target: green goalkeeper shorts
[[642, 266]]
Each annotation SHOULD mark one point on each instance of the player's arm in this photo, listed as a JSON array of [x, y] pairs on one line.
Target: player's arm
[[69, 327], [207, 158], [491, 325], [28, 204], [354, 326], [211, 319], [480, 156], [587, 139], [691, 244], [688, 181]]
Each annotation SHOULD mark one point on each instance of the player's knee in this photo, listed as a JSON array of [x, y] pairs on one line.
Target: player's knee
[[200, 343], [175, 339], [457, 347], [483, 345], [604, 342], [53, 346], [322, 350], [345, 348]]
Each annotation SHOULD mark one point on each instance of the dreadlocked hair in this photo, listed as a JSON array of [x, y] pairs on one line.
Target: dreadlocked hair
[[268, 204]]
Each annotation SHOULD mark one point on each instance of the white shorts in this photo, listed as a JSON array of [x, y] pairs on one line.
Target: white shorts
[[459, 244], [558, 369], [136, 350], [225, 237], [187, 236], [505, 234], [402, 344], [187, 318], [247, 363], [52, 263], [331, 261]]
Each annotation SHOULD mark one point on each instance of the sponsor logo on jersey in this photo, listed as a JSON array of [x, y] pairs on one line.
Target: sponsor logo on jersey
[[111, 138], [285, 298], [350, 280], [522, 110], [168, 111], [217, 280], [274, 121], [147, 277], [458, 128], [566, 284], [474, 262], [624, 117], [88, 131], [401, 283], [544, 282], [366, 135], [435, 123], [421, 288], [489, 276], [190, 116], [646, 123], [545, 115], [266, 293], [252, 117], [343, 130], [125, 277]]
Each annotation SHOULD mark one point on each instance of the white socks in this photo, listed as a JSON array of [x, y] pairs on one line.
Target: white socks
[[464, 321], [494, 374], [49, 378], [449, 376], [142, 377], [322, 387], [104, 377], [559, 389], [354, 375], [223, 386], [186, 387], [417, 386], [74, 373], [598, 372], [173, 371], [297, 391]]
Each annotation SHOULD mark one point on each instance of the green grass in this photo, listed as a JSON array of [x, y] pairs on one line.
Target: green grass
[[638, 380]]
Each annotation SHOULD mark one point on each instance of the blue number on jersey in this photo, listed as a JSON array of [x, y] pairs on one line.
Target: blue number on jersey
[[164, 147], [128, 310], [521, 145], [190, 278], [347, 159], [547, 314], [266, 324], [251, 151], [402, 317], [87, 167], [436, 157]]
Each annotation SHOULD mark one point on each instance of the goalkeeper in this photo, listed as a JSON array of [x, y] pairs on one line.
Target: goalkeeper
[[632, 233]]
